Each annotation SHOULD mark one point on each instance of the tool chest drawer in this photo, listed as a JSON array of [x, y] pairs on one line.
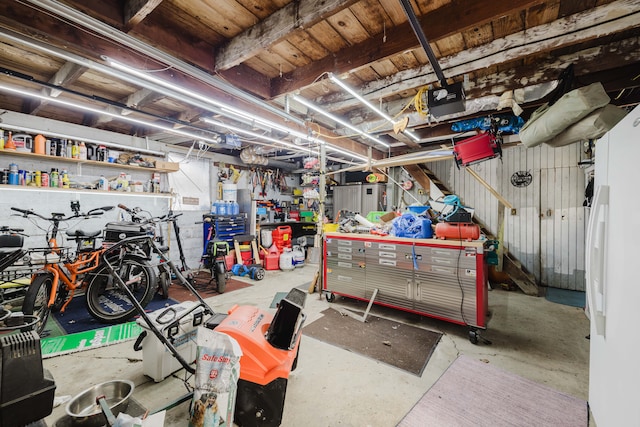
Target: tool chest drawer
[[225, 227]]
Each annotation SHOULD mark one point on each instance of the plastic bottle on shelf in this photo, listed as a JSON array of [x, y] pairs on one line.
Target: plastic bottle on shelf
[[235, 208], [1, 139], [82, 151], [103, 183], [38, 178], [53, 177], [214, 208], [44, 179], [75, 150], [9, 144], [65, 179]]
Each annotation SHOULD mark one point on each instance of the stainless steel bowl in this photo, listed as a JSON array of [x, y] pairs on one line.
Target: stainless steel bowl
[[86, 412]]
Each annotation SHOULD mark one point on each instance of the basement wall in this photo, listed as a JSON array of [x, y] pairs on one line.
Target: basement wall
[[547, 232]]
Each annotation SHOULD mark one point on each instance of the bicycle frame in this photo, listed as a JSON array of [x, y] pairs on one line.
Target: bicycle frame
[[84, 263], [64, 269]]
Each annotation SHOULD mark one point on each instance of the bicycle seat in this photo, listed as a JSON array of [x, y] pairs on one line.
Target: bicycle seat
[[80, 234]]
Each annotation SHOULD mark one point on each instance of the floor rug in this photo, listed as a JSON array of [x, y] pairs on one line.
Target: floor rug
[[94, 338], [76, 318], [566, 297], [473, 393], [205, 287], [277, 298], [397, 344]]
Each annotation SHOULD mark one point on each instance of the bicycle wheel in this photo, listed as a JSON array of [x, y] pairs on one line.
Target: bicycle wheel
[[36, 300], [164, 280], [221, 281], [108, 302]]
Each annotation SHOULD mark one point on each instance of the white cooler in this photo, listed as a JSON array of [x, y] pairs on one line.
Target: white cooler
[[157, 361]]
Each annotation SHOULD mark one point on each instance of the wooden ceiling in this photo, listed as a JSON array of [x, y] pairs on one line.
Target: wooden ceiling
[[253, 55]]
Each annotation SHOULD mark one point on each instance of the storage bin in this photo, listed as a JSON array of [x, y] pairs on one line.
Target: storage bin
[[247, 259]]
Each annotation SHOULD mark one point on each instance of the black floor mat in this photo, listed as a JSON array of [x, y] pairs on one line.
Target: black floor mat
[[403, 346]]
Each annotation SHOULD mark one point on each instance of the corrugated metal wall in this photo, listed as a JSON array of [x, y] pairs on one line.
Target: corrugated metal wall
[[547, 232]]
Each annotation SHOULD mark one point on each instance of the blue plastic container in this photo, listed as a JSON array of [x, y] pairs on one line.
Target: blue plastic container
[[222, 208]]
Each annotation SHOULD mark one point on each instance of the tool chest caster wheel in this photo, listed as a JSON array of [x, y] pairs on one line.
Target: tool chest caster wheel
[[330, 296], [473, 337]]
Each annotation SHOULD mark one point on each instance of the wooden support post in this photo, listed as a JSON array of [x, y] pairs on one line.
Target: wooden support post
[[488, 187]]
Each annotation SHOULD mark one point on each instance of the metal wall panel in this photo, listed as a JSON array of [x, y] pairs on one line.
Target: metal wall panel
[[546, 234]]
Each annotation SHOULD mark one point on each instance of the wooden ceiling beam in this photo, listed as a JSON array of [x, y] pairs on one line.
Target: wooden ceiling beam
[[136, 100], [136, 10], [436, 25], [293, 17], [66, 75], [589, 25]]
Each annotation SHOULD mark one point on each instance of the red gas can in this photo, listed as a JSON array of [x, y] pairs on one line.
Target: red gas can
[[457, 231], [282, 237], [270, 259]]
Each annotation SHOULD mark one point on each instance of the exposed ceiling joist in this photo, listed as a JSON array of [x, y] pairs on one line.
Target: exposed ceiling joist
[[294, 16], [436, 24]]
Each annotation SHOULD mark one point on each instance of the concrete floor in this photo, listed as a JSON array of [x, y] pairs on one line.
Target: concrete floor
[[531, 337]]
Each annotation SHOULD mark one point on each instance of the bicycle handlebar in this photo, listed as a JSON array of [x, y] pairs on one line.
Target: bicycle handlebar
[[60, 216], [136, 217]]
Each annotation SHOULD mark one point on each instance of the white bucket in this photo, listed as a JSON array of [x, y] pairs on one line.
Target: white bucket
[[230, 192]]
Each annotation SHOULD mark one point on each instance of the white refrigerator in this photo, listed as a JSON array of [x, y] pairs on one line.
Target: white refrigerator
[[613, 277]]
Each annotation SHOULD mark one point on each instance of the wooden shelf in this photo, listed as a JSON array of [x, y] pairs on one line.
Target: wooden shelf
[[84, 162], [80, 190]]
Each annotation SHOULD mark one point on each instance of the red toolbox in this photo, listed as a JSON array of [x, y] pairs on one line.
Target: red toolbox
[[282, 237], [475, 149]]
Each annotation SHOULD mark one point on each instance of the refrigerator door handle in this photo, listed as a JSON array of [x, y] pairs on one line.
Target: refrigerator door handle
[[595, 258]]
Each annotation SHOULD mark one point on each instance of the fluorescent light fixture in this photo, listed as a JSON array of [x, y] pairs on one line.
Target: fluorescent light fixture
[[224, 107], [314, 107], [286, 144], [370, 105], [268, 123], [251, 133], [82, 107]]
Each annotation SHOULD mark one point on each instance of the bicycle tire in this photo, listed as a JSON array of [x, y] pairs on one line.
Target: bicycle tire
[[221, 281], [36, 300], [164, 281], [107, 303]]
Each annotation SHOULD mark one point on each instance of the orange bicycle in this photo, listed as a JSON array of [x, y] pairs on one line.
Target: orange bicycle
[[64, 271]]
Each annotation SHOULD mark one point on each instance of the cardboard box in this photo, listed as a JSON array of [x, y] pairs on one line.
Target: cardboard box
[[168, 166]]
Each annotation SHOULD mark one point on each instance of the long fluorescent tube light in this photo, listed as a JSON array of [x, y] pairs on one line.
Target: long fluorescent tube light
[[77, 106], [268, 123], [286, 144], [250, 133], [314, 107], [224, 107], [370, 105]]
